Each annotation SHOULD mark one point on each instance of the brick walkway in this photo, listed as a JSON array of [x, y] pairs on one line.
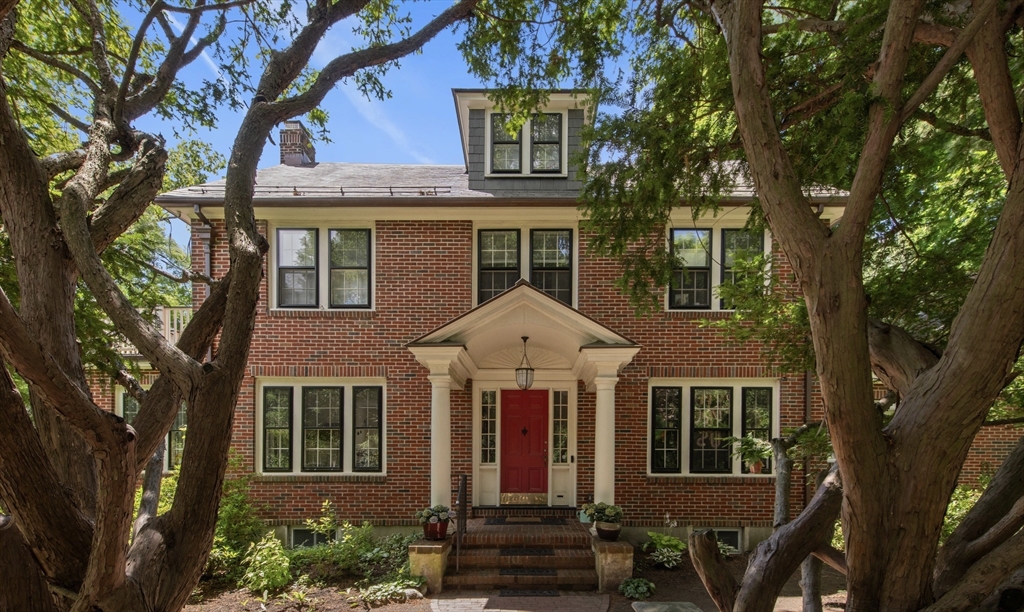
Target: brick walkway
[[473, 601]]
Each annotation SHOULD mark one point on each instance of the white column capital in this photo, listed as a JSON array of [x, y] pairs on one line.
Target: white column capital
[[440, 381], [602, 362], [605, 383], [448, 359]]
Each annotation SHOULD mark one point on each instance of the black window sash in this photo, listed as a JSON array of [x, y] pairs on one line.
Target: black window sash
[[368, 267], [281, 270], [500, 136], [766, 431], [726, 269], [291, 437], [557, 141], [687, 268], [483, 270], [535, 271], [677, 468], [340, 430], [723, 431], [380, 430]]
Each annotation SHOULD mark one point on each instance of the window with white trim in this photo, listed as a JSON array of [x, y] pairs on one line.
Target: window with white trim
[[550, 262], [544, 153], [692, 420], [489, 427], [301, 254], [316, 427], [128, 408], [699, 267]]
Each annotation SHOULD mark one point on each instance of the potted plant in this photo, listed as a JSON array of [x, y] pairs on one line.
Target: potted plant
[[435, 521], [607, 520], [753, 451]]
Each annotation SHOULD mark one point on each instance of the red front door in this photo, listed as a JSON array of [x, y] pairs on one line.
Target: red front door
[[524, 446]]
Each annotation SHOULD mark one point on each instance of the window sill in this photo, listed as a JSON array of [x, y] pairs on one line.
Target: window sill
[[709, 478], [699, 314], [322, 477], [316, 313], [520, 175]]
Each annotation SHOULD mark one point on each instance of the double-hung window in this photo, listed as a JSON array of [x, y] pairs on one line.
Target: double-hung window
[[546, 143], [738, 244], [692, 423], [550, 255], [296, 268], [350, 268], [690, 250], [499, 261], [551, 263], [506, 149], [304, 428], [175, 443], [345, 253]]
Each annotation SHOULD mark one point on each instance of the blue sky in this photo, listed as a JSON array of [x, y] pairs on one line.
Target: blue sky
[[416, 125]]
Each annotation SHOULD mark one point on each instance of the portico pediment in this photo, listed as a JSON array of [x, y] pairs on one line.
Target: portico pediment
[[490, 335]]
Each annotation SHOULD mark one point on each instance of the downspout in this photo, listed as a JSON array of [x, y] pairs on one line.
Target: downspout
[[205, 234]]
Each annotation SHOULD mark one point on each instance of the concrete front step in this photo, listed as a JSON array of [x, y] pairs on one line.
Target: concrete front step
[[521, 578], [562, 558]]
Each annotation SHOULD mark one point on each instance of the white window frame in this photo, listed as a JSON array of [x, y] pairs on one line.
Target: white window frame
[[736, 384], [347, 430], [323, 267], [119, 393], [716, 262], [526, 254], [525, 144]]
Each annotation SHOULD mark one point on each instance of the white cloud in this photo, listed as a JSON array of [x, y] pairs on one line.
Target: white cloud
[[378, 119]]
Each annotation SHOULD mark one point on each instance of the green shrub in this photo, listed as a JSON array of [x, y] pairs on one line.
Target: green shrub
[[667, 557], [238, 526], [661, 540], [637, 588], [391, 590], [960, 503], [266, 566]]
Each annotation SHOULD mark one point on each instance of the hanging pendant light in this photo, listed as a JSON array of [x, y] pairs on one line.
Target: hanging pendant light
[[524, 373]]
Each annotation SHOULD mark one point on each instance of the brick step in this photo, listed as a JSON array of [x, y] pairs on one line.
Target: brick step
[[527, 537], [559, 558], [484, 579], [486, 511]]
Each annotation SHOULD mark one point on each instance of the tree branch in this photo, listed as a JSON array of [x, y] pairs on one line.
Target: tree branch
[[832, 558], [53, 62], [150, 501], [132, 196], [896, 358], [946, 126], [62, 162], [982, 577]]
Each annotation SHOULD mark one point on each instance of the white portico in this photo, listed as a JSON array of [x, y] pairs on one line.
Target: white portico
[[512, 427]]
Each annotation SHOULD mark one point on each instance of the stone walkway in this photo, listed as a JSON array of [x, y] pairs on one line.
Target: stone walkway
[[473, 601]]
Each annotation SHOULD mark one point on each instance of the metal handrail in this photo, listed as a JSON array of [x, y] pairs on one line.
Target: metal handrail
[[460, 518]]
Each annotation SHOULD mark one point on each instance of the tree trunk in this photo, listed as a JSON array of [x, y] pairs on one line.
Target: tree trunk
[[712, 569], [810, 584]]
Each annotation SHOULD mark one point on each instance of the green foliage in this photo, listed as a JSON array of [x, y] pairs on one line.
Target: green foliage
[[437, 514], [355, 552], [637, 588], [667, 557], [750, 449], [266, 566], [238, 526], [603, 512], [661, 541], [726, 550], [960, 503], [327, 523], [388, 591], [812, 444]]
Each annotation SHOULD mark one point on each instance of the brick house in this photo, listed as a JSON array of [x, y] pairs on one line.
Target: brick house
[[392, 319]]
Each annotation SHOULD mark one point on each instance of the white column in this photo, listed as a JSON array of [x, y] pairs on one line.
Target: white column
[[604, 440], [440, 439]]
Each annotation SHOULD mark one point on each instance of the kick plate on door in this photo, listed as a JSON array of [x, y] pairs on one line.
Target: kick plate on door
[[524, 499]]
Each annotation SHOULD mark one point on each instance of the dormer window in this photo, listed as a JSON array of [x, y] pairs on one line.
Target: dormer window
[[542, 155], [506, 153], [546, 143]]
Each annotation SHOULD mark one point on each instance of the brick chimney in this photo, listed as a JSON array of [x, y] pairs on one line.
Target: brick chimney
[[296, 149]]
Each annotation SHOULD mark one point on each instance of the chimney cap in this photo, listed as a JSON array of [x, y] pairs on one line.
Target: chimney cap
[[296, 147]]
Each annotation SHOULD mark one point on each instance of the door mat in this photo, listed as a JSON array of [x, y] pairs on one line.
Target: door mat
[[528, 571], [527, 552], [524, 520], [527, 593]]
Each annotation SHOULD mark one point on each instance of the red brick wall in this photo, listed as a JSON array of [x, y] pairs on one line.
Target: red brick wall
[[990, 448]]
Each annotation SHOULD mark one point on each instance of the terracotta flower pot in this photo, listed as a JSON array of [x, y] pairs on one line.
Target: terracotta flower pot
[[608, 531], [435, 531], [756, 467]]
